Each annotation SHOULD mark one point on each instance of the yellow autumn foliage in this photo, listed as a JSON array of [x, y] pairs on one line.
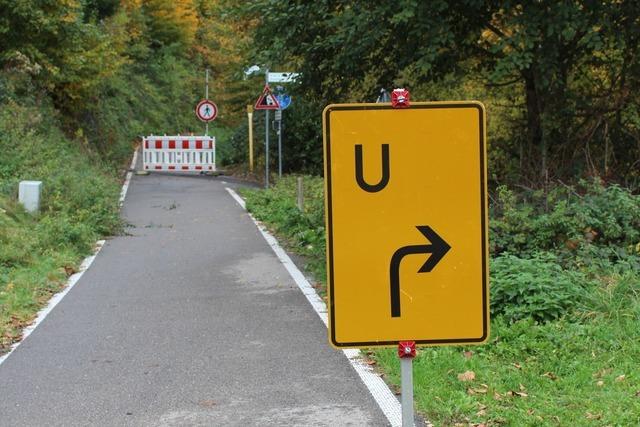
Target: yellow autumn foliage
[[172, 21]]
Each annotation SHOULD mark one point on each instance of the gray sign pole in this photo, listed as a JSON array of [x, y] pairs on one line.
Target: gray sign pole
[[406, 387], [266, 138], [280, 144], [206, 96]]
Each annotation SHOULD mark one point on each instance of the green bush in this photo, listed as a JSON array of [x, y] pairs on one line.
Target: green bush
[[564, 219], [16, 240], [537, 287]]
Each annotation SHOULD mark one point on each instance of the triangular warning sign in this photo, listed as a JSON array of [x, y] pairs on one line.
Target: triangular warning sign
[[267, 101]]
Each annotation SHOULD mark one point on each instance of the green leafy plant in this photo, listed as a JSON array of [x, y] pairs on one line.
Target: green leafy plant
[[537, 287]]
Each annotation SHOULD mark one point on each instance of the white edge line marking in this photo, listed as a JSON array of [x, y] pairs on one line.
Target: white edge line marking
[[383, 396], [72, 280], [127, 181]]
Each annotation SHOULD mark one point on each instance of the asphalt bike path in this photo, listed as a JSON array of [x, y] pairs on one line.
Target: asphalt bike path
[[188, 319]]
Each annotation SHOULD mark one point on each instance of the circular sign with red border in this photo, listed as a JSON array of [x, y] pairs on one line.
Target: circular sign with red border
[[206, 110]]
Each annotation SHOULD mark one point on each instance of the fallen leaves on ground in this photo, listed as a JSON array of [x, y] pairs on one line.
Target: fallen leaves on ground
[[208, 403], [467, 376], [469, 424], [483, 389], [517, 393], [482, 410], [591, 416], [602, 372]]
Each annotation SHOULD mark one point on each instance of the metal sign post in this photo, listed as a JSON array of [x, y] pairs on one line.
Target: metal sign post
[[406, 352], [406, 367], [206, 110], [279, 122], [266, 138], [284, 101], [206, 96], [267, 102]]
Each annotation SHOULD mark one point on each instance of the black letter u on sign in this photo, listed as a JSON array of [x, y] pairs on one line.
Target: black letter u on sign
[[385, 170]]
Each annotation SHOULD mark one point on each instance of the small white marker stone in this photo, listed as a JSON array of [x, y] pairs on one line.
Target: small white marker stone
[[29, 195]]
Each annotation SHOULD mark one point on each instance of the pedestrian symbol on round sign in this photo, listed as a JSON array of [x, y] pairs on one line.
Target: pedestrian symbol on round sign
[[206, 110]]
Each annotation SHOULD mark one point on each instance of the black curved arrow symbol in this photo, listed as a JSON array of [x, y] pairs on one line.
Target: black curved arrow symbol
[[438, 249], [385, 170]]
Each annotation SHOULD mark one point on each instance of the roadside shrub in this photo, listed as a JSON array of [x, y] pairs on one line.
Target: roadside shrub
[[564, 219], [16, 240], [59, 232], [537, 287]]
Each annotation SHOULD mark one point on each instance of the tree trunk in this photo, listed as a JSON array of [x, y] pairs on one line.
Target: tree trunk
[[534, 120]]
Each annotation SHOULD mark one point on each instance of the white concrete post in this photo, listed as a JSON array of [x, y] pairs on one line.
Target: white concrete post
[[29, 195]]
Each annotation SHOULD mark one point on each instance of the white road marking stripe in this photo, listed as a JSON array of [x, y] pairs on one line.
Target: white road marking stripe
[[73, 279], [127, 180], [383, 396]]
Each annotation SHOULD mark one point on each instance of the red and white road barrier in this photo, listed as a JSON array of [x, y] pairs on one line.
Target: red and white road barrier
[[179, 153]]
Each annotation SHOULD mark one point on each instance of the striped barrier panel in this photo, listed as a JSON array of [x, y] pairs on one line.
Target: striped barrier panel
[[179, 153]]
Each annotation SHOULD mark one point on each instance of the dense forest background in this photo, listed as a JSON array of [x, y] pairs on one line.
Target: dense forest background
[[560, 79]]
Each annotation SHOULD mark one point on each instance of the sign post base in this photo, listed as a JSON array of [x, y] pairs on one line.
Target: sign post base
[[406, 352]]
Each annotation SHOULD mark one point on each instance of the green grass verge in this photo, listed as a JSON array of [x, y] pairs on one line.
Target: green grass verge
[[570, 364], [79, 205]]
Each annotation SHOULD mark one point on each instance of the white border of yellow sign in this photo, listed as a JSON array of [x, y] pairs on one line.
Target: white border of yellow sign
[[448, 181]]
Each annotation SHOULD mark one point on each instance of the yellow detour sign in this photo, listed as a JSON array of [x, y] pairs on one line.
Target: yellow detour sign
[[406, 212]]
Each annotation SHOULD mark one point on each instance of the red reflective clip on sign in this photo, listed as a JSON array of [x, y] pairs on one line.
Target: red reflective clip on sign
[[407, 349], [400, 98]]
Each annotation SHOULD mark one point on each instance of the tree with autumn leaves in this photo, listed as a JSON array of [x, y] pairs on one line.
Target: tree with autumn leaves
[[115, 69]]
